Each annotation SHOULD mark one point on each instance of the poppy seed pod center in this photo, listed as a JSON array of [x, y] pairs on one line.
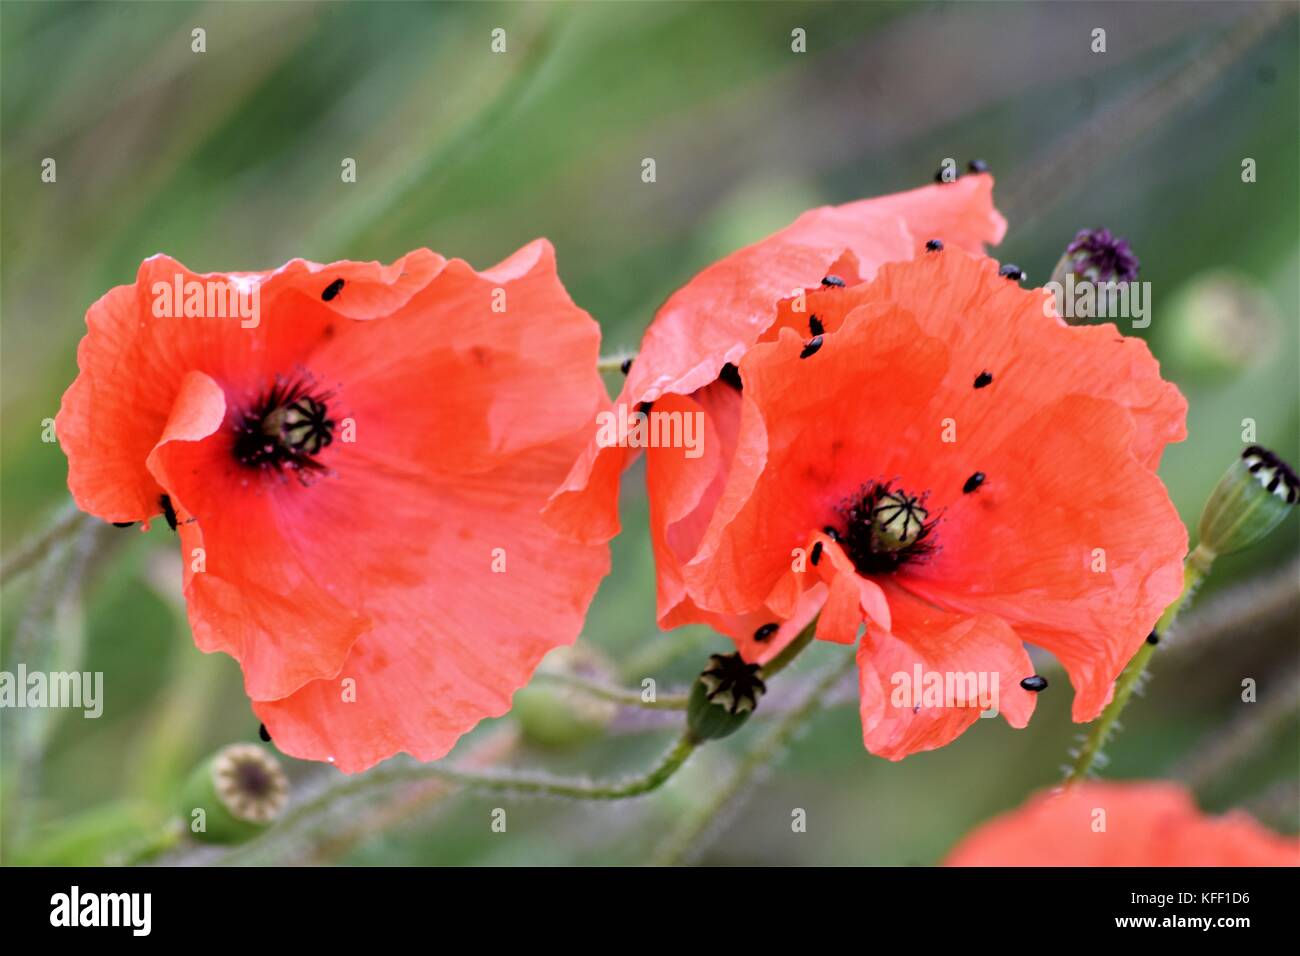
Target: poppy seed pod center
[[287, 427], [897, 521], [253, 779], [885, 528], [250, 783]]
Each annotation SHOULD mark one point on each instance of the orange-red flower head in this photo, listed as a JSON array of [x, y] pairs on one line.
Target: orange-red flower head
[[1140, 823], [973, 473], [900, 438], [687, 362], [356, 469]]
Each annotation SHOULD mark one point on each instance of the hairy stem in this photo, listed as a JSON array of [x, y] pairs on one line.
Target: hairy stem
[[66, 522], [617, 695], [790, 651], [688, 837], [538, 785], [1195, 568], [1253, 728], [397, 773]]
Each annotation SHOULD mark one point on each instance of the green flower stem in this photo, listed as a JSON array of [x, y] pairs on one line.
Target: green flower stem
[[1195, 568], [617, 695], [662, 650], [790, 651], [66, 523], [1221, 750], [687, 837], [401, 772], [652, 779]]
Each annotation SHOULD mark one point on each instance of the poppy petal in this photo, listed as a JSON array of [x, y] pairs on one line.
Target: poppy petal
[[354, 290], [1062, 532], [684, 490], [725, 309], [961, 213], [995, 328], [964, 664], [1070, 539], [456, 402], [853, 599], [1130, 823], [512, 357], [256, 587], [140, 343], [451, 650], [717, 316], [808, 440], [755, 644]]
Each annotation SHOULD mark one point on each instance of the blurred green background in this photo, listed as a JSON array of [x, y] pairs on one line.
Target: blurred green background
[[230, 160]]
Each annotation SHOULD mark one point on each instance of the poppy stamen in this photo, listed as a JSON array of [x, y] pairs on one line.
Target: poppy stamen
[[885, 528], [287, 427]]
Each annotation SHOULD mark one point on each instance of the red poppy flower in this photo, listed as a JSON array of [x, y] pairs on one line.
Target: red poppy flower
[[705, 327], [1140, 823], [357, 472], [963, 472]]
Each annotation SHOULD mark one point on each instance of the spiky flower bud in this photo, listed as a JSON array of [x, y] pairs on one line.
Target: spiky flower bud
[[1251, 499], [723, 697], [1098, 256]]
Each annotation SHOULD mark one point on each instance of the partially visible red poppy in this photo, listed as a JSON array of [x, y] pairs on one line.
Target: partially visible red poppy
[[962, 472], [1139, 823], [357, 472], [704, 329]]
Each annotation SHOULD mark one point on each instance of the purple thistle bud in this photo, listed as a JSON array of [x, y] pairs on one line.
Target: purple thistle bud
[[1099, 256]]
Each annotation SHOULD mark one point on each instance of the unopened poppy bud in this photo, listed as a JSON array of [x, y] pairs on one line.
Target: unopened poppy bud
[[235, 794], [897, 521], [1251, 499], [1099, 256], [553, 717], [554, 713], [723, 697], [1218, 326]]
